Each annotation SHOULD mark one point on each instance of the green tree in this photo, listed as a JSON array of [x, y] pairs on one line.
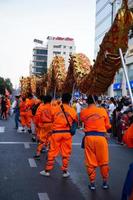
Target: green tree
[[8, 85], [2, 86]]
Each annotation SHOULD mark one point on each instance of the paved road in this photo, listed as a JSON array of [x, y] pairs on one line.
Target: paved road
[[20, 178]]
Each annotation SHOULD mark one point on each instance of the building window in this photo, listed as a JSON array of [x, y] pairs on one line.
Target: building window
[[70, 47], [41, 58], [56, 53], [40, 70], [130, 74], [64, 53], [64, 47], [41, 51], [57, 46], [118, 77], [43, 64]]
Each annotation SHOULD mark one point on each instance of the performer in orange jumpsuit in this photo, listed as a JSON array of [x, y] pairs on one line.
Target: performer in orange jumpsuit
[[22, 107], [35, 108], [44, 123], [128, 136], [96, 123], [29, 103], [8, 106], [61, 138]]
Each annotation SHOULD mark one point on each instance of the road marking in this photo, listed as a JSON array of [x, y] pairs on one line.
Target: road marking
[[17, 143], [43, 196], [26, 145], [2, 129], [32, 162], [76, 144]]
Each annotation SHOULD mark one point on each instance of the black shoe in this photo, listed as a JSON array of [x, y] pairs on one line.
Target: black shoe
[[29, 131], [105, 186], [33, 139], [37, 157], [44, 150], [92, 186]]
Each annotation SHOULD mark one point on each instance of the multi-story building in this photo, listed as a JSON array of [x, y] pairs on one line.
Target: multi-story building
[[40, 53], [60, 46], [105, 14], [43, 54]]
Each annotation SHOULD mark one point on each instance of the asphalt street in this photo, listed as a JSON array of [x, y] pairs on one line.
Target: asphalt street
[[20, 178]]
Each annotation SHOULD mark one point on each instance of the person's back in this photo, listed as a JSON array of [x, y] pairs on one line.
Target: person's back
[[43, 121], [96, 122], [45, 114], [59, 120], [95, 119], [3, 104], [61, 138]]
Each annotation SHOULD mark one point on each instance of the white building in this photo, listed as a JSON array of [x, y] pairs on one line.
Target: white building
[[60, 46], [43, 53], [105, 14]]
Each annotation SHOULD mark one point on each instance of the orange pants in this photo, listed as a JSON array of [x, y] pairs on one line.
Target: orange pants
[[23, 118], [59, 143], [128, 136], [28, 120], [43, 134], [96, 154]]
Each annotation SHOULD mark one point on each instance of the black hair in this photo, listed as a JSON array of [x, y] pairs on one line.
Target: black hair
[[41, 97], [46, 99], [92, 99], [23, 98], [30, 95], [66, 97], [17, 96], [113, 100]]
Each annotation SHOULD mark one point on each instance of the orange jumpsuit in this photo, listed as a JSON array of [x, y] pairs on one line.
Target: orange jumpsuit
[[8, 105], [29, 104], [23, 118], [61, 138], [36, 120], [96, 120], [44, 125], [128, 136]]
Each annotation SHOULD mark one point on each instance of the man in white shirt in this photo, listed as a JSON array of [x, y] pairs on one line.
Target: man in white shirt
[[78, 109], [111, 107]]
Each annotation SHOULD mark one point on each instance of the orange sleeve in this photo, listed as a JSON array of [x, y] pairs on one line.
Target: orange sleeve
[[74, 114], [45, 114], [107, 121], [38, 113]]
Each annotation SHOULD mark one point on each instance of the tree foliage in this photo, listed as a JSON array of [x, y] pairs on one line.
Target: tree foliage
[[8, 85], [5, 84]]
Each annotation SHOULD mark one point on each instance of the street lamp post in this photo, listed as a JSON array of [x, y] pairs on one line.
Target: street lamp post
[[110, 89]]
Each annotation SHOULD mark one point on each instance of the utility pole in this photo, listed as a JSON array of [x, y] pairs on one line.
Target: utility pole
[[110, 89]]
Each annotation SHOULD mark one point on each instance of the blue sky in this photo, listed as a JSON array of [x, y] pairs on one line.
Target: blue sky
[[23, 20]]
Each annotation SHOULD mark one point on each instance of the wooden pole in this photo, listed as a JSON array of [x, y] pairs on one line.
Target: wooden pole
[[126, 74], [72, 93], [55, 92]]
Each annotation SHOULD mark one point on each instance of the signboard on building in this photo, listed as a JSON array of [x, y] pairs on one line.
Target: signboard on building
[[59, 38], [38, 41]]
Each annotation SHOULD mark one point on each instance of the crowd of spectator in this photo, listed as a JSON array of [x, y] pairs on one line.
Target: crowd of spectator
[[120, 111]]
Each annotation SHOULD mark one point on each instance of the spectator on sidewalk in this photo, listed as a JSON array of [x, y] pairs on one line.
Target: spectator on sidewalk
[[127, 193]]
